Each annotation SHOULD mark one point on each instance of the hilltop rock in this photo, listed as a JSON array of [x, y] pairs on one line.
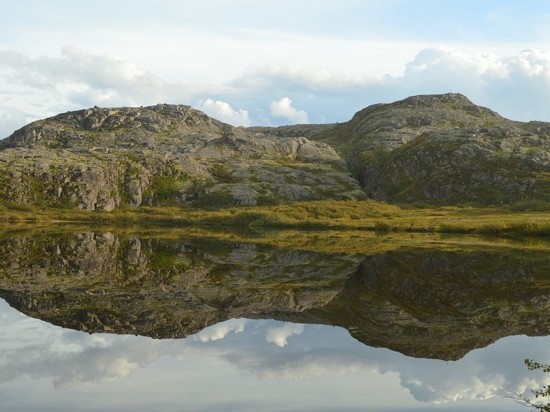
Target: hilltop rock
[[101, 159], [444, 149], [435, 149]]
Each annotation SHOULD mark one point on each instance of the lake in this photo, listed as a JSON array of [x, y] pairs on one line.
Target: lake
[[130, 319]]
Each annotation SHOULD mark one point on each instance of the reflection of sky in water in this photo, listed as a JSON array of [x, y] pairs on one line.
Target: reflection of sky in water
[[248, 365]]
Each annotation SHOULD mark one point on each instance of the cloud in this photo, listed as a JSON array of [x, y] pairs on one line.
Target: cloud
[[279, 335], [221, 330], [80, 79], [517, 86], [224, 112], [35, 349], [283, 108], [11, 119], [312, 79]]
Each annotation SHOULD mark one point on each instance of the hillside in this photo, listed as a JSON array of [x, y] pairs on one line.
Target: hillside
[[436, 149], [443, 149], [101, 159]]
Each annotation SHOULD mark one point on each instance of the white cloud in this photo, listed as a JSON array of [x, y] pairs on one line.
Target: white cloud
[[517, 86], [79, 79], [279, 335], [38, 350], [313, 79], [224, 112], [283, 108], [11, 119], [221, 330]]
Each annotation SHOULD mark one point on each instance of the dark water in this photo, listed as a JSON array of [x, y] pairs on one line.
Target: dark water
[[175, 321]]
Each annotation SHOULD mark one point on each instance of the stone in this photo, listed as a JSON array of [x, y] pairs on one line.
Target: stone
[[438, 149]]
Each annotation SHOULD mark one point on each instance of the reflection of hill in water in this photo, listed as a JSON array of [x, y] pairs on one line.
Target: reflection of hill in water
[[426, 303]]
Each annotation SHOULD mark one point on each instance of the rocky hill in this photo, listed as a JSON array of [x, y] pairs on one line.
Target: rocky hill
[[444, 149], [100, 159], [438, 149]]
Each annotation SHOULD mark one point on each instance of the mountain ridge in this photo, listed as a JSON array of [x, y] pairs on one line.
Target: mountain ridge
[[435, 149]]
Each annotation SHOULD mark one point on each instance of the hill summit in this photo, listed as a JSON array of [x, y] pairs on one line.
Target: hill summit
[[437, 149]]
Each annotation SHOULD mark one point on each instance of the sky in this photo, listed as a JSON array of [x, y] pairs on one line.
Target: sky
[[271, 62]]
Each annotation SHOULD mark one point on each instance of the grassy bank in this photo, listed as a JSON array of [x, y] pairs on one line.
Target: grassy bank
[[327, 215]]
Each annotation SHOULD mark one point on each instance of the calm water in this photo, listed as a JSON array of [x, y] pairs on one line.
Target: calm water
[[95, 320]]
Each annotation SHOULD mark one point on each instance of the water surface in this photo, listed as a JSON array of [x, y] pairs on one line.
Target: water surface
[[243, 323]]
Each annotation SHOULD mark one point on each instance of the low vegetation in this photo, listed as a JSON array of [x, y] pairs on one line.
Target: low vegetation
[[540, 398], [368, 215]]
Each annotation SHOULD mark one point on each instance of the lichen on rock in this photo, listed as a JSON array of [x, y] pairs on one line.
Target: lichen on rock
[[438, 149]]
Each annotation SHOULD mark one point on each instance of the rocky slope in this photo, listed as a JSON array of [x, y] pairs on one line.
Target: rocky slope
[[444, 149], [100, 159], [426, 303], [438, 149]]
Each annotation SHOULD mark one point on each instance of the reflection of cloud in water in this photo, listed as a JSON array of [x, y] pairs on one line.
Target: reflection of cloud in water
[[220, 330], [91, 363], [69, 357], [279, 335]]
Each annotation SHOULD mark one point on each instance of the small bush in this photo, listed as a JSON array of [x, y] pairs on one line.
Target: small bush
[[491, 229], [453, 228], [382, 227], [532, 229], [530, 205]]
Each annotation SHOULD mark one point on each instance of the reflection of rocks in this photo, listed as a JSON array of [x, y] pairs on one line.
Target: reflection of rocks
[[421, 303], [162, 288], [443, 304], [134, 251], [244, 252]]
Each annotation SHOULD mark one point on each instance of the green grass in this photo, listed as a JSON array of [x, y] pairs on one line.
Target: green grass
[[328, 215]]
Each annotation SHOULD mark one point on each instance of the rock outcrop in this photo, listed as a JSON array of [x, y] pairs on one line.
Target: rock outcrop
[[100, 159], [436, 149], [443, 149]]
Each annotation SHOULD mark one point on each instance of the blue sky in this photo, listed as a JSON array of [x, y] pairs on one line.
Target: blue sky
[[250, 62]]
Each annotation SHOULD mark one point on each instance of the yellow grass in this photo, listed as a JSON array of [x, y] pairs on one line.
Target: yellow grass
[[327, 215]]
